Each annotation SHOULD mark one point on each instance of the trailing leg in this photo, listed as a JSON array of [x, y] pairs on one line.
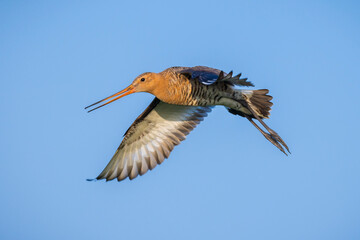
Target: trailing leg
[[268, 136], [256, 104], [273, 134]]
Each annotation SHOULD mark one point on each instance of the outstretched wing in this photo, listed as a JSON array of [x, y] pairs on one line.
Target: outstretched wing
[[208, 76], [151, 138]]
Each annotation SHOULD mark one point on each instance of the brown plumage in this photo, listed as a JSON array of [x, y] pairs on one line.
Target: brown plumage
[[183, 97]]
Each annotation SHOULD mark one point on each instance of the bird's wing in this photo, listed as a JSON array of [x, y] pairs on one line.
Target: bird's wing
[[151, 138], [205, 75], [208, 76]]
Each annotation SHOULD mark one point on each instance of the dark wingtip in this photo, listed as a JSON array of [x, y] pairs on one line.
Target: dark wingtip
[[91, 179]]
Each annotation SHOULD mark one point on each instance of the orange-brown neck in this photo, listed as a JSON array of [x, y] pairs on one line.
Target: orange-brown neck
[[162, 87], [173, 88]]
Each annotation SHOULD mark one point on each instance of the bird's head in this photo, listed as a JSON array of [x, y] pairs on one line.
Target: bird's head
[[146, 82]]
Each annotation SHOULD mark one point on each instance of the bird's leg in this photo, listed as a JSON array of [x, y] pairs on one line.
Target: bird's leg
[[268, 136], [273, 134]]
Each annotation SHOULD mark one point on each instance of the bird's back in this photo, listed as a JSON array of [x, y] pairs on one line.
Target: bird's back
[[194, 86]]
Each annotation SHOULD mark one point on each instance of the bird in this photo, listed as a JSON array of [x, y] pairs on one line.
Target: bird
[[183, 98]]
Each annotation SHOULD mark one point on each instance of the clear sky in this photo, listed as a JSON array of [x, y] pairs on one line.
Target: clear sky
[[226, 181]]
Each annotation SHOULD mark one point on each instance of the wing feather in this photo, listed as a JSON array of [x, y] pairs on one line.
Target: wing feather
[[208, 76], [151, 138]]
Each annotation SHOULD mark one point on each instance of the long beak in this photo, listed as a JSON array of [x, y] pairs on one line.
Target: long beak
[[130, 89]]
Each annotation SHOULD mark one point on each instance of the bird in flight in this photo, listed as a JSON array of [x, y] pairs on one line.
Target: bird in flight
[[183, 98]]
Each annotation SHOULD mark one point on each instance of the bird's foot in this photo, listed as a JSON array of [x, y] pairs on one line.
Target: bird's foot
[[278, 139]]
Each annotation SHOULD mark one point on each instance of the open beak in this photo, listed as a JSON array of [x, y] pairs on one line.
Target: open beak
[[130, 89]]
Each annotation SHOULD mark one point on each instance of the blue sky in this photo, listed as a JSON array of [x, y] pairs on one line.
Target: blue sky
[[225, 181]]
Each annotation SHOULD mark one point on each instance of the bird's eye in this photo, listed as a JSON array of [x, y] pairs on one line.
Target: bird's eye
[[143, 79]]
